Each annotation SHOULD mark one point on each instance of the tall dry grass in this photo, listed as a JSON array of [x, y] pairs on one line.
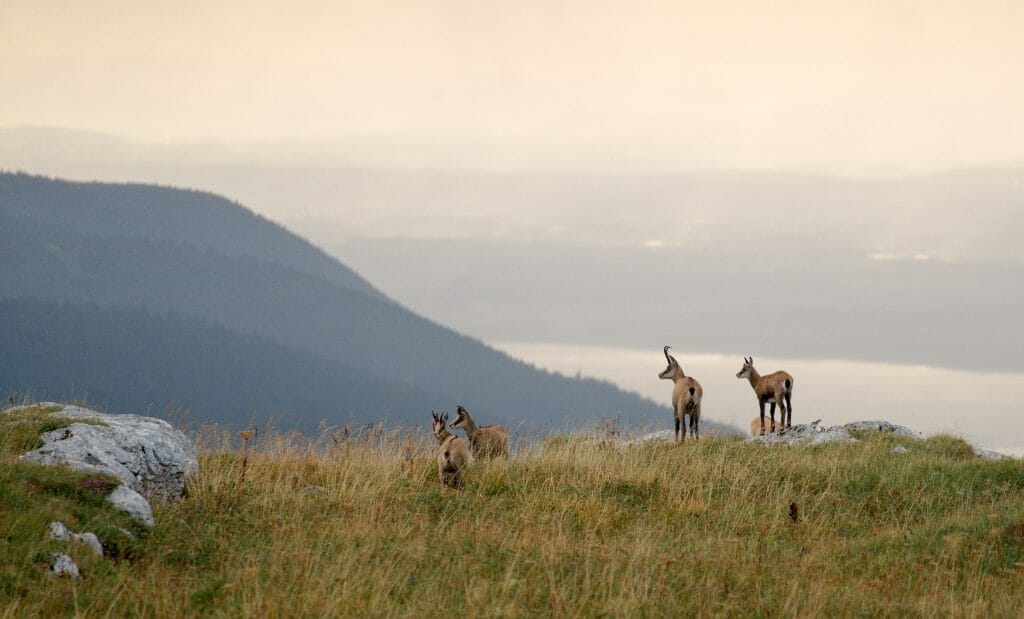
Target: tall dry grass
[[359, 525]]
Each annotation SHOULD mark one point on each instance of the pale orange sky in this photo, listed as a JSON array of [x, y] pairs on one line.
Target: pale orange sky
[[905, 84]]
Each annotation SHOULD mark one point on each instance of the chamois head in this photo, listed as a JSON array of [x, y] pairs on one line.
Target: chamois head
[[439, 421], [673, 370], [748, 367], [461, 418]]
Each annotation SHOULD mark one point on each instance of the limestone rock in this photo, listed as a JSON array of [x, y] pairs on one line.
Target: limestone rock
[[148, 455], [126, 499], [63, 565], [883, 426], [60, 532], [988, 454], [810, 434]]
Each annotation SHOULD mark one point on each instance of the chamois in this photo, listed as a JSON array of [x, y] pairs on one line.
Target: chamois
[[453, 454], [686, 397], [755, 426], [485, 441], [774, 388]]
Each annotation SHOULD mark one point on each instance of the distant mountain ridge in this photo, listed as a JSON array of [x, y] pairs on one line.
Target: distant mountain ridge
[[197, 218], [118, 358], [120, 247]]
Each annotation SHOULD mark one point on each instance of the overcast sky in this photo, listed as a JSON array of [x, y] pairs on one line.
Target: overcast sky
[[831, 86]]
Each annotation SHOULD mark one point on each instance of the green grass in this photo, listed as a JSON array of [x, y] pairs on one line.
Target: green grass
[[569, 527], [32, 496]]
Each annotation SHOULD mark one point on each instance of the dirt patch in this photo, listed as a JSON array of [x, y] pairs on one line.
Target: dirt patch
[[1015, 533], [97, 485]]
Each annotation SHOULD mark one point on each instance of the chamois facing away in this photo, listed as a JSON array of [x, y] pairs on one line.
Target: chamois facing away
[[774, 388], [453, 454], [686, 397], [485, 441]]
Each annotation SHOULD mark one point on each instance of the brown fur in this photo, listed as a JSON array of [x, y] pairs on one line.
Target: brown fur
[[686, 397], [775, 389], [755, 426], [485, 441], [453, 454]]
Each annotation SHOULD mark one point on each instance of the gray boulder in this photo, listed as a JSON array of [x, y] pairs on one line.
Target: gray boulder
[[806, 434], [148, 455], [127, 500], [63, 565], [884, 427], [989, 454], [60, 532]]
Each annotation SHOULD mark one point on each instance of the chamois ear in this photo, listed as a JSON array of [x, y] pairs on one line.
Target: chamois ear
[[444, 418]]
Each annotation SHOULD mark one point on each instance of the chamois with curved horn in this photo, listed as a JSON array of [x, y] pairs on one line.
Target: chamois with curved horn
[[485, 441], [775, 389], [453, 454], [686, 397]]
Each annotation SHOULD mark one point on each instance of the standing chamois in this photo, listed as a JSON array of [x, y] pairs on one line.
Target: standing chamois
[[775, 388], [486, 441], [686, 397], [755, 427], [453, 454]]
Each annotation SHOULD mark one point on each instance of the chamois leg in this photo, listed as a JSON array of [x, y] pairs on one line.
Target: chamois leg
[[695, 422], [775, 428], [677, 428], [761, 404], [789, 410]]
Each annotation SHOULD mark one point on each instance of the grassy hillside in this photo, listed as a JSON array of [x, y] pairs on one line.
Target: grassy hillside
[[571, 527], [100, 259]]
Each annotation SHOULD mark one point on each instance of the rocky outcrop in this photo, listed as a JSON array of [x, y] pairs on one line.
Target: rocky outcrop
[[814, 433], [989, 454], [148, 455], [884, 427], [60, 532]]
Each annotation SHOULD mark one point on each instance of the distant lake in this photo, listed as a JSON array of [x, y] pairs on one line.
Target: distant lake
[[984, 408]]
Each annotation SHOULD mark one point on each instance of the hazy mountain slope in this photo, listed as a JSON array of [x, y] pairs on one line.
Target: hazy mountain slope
[[132, 360], [198, 218], [366, 331]]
